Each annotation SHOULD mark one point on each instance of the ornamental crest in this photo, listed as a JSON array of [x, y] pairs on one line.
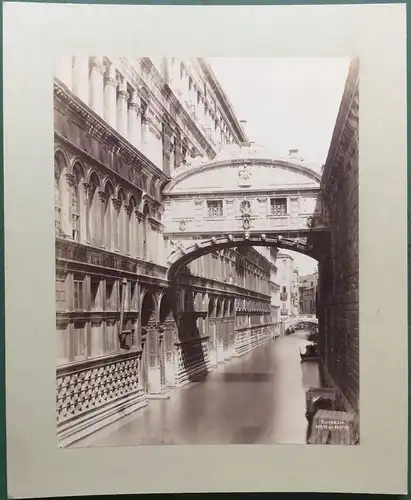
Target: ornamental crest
[[245, 209], [244, 174]]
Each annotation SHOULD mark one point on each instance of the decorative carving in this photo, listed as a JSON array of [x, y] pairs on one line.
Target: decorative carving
[[183, 225], [123, 94], [116, 203], [90, 387], [244, 174], [70, 179], [103, 196], [245, 209]]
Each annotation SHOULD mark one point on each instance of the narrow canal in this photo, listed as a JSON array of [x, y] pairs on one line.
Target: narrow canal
[[258, 398]]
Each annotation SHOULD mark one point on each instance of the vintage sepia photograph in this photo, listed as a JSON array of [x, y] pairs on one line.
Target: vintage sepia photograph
[[207, 264]]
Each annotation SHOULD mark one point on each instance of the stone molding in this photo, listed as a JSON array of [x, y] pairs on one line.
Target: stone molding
[[97, 128]]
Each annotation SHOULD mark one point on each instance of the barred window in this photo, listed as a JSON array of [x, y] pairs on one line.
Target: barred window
[[278, 206], [215, 208]]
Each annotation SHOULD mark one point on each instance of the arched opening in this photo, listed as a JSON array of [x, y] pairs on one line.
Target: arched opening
[[168, 336], [146, 214], [109, 216], [77, 202], [149, 340], [122, 226], [94, 219], [60, 169], [132, 228]]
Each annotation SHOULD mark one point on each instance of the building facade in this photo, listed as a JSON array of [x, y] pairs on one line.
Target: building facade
[[122, 126], [308, 293], [288, 281], [338, 307]]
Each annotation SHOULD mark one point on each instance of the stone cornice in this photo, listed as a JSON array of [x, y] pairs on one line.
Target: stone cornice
[[344, 130], [71, 255], [175, 103], [231, 119], [98, 128], [93, 161], [199, 169]]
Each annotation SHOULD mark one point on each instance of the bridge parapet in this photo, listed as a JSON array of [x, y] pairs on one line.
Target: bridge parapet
[[265, 213]]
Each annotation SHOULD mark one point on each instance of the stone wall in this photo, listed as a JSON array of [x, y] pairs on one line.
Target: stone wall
[[339, 280]]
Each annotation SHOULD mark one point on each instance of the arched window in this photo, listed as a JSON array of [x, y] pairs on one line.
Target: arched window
[[146, 213], [177, 148], [108, 215], [94, 222], [132, 229], [122, 227], [59, 172], [76, 203], [184, 149]]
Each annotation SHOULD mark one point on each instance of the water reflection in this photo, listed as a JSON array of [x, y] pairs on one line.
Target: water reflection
[[257, 398]]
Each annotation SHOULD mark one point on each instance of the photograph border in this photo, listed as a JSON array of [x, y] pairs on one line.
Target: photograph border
[[377, 37]]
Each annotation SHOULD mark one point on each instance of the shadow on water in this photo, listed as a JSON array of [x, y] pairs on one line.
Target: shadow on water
[[245, 377]]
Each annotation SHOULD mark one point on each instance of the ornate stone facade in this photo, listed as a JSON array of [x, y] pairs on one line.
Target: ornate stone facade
[[122, 126], [339, 267]]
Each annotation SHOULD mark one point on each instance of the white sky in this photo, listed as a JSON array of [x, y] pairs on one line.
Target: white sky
[[288, 103]]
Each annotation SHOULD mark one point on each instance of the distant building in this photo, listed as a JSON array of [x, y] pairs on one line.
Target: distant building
[[308, 293], [288, 281]]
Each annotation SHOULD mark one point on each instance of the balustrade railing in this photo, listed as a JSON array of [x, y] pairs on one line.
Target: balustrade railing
[[90, 385]]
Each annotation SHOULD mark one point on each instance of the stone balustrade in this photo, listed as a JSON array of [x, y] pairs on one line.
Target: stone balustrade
[[90, 395]]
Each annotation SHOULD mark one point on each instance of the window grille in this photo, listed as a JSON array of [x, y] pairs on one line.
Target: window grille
[[215, 208], [279, 206]]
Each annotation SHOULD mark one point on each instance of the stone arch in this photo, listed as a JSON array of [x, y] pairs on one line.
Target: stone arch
[[60, 170], [108, 184], [166, 307], [219, 307], [211, 307], [61, 156], [78, 201], [225, 308], [77, 163], [182, 256], [148, 309], [93, 175]]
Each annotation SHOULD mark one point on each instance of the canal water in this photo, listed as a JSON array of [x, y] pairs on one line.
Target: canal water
[[258, 398]]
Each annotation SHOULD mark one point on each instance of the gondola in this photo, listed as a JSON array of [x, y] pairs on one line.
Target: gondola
[[310, 353]]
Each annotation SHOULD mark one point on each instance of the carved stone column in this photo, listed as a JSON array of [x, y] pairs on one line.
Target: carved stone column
[[110, 97], [122, 109], [103, 231], [86, 221], [97, 85], [166, 148], [134, 123], [81, 78], [115, 225]]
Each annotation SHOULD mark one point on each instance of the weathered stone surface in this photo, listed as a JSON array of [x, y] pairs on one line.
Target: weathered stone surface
[[339, 309]]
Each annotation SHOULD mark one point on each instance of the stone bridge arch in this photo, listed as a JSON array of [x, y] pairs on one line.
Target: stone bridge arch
[[185, 252]]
